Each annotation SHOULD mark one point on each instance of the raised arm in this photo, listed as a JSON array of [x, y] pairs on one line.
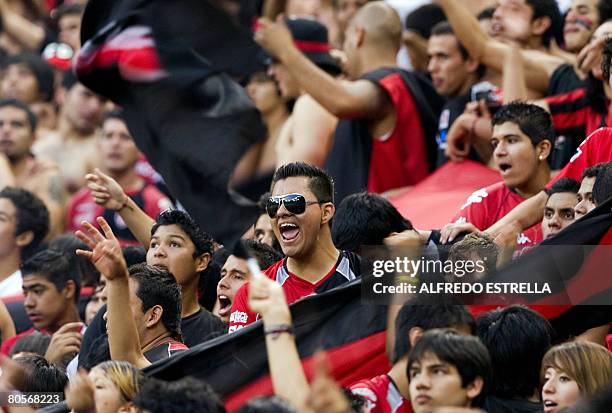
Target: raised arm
[[514, 76], [471, 35], [491, 52], [28, 34], [7, 326], [106, 255], [343, 99], [288, 379], [108, 193]]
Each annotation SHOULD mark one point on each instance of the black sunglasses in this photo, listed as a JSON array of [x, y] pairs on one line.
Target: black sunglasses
[[294, 203]]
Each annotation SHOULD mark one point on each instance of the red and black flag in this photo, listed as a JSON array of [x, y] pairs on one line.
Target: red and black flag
[[352, 334], [576, 265], [168, 64]]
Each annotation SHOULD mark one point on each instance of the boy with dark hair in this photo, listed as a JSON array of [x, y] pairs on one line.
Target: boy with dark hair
[[150, 295], [446, 369], [177, 244], [267, 404], [156, 287], [263, 226], [24, 223], [390, 392], [559, 210], [35, 343], [18, 167], [301, 209], [28, 78], [366, 219], [517, 338], [522, 140], [602, 189], [41, 377], [68, 18], [51, 287], [184, 395], [596, 148], [586, 202], [543, 10], [235, 273]]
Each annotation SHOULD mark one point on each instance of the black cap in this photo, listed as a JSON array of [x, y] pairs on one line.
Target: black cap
[[311, 38]]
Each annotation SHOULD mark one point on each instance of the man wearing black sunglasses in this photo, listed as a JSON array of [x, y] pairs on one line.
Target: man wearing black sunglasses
[[301, 208]]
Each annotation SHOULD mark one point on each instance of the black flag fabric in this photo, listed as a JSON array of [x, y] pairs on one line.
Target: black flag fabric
[[168, 64], [351, 333], [576, 264]]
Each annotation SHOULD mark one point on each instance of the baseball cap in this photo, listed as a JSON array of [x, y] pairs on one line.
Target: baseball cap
[[311, 38]]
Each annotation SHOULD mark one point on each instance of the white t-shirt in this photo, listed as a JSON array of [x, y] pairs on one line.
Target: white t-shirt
[[11, 285]]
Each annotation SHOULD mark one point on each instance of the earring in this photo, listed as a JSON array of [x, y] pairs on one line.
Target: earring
[[541, 158]]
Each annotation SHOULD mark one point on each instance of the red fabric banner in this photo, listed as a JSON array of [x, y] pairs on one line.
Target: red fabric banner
[[434, 201]]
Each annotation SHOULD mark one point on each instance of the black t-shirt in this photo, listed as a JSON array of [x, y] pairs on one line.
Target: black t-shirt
[[563, 80], [164, 350], [95, 329], [452, 109], [200, 327]]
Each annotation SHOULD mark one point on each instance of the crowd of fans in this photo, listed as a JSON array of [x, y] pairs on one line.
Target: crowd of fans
[[102, 273]]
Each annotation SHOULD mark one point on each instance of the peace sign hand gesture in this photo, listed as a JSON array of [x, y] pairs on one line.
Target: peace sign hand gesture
[[105, 251]]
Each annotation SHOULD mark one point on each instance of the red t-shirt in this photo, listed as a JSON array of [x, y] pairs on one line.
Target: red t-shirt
[[488, 205], [83, 208], [399, 159], [596, 148], [293, 286], [381, 394]]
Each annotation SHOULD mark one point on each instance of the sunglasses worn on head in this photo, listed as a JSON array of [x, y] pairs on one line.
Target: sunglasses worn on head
[[294, 203]]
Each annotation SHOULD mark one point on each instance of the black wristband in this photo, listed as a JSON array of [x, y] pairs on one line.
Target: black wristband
[[276, 329]]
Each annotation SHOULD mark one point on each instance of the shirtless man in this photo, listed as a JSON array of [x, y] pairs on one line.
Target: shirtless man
[[73, 145], [307, 135]]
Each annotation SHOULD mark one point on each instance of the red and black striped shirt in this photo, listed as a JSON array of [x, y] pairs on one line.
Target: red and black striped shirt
[[574, 118]]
